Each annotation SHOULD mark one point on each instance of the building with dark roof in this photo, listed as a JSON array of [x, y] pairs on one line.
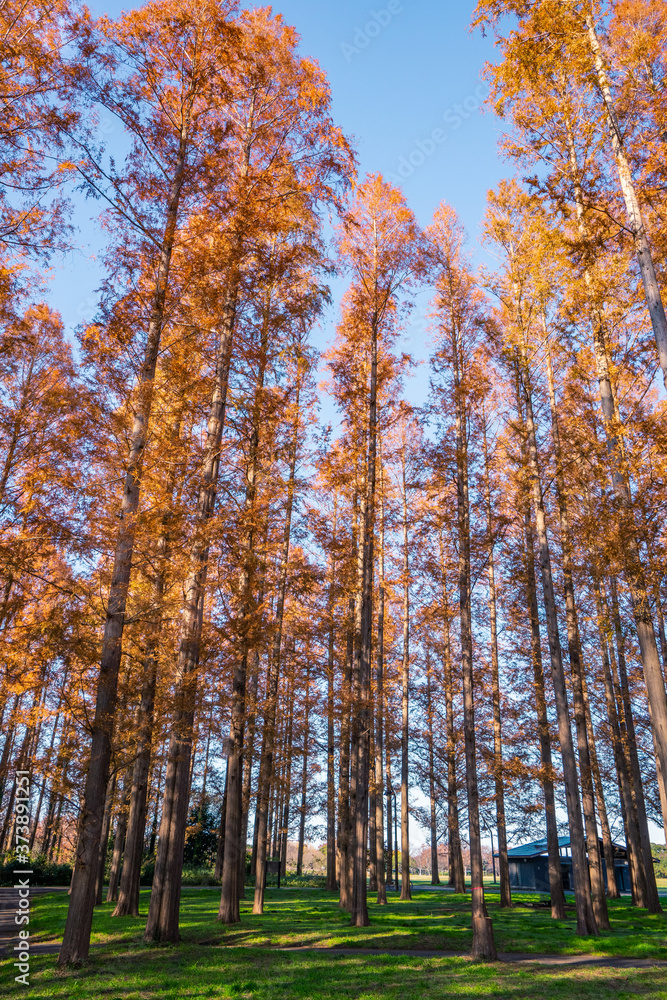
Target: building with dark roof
[[529, 866]]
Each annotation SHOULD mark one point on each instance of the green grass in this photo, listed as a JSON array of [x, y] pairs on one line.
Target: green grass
[[433, 920], [218, 961], [192, 973]]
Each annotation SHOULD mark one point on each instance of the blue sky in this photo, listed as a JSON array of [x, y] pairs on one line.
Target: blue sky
[[402, 72]]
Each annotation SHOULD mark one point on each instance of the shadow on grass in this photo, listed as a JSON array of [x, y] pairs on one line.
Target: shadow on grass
[[189, 972]]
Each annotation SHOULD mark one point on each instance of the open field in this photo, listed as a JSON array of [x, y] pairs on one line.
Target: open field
[[244, 960]]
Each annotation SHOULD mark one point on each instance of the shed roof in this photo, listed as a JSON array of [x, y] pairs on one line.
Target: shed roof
[[538, 847]]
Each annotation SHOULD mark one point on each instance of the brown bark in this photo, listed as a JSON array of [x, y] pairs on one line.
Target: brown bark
[[119, 839], [613, 891], [362, 714], [405, 693], [304, 777], [379, 747], [586, 922], [503, 861], [435, 877], [621, 758], [343, 837], [653, 900], [163, 913], [456, 869], [104, 839], [266, 766], [576, 667], [483, 944], [331, 746]]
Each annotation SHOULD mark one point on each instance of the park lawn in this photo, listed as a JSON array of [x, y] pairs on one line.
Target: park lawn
[[433, 920], [191, 972]]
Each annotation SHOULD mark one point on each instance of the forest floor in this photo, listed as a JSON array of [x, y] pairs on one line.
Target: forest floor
[[282, 955]]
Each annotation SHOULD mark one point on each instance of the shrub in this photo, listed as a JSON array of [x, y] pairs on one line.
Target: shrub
[[43, 872]]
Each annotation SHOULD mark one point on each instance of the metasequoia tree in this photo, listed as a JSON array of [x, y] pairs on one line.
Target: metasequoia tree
[[162, 91], [305, 156], [506, 229], [458, 316], [379, 244]]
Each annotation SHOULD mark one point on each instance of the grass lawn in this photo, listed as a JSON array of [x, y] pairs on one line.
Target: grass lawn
[[241, 961]]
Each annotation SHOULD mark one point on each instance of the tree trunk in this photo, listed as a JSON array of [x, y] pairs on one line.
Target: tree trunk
[[576, 666], [104, 839], [266, 765], [456, 869], [503, 860], [586, 923], [435, 877], [343, 838], [304, 778], [220, 849], [119, 839], [653, 900], [405, 692], [483, 944], [287, 777], [390, 817], [613, 891], [621, 760], [331, 746], [163, 913], [130, 884], [379, 749]]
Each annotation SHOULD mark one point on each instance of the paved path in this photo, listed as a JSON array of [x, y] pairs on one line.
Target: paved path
[[523, 958], [8, 929]]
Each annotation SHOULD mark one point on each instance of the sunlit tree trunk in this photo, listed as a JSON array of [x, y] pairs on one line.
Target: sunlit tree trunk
[[266, 766], [621, 760], [547, 776], [343, 838], [586, 923], [503, 861], [362, 714], [379, 718], [613, 891], [483, 944], [104, 838], [331, 746], [304, 775], [653, 900], [576, 667], [405, 694], [119, 838], [435, 877], [163, 913], [456, 869]]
